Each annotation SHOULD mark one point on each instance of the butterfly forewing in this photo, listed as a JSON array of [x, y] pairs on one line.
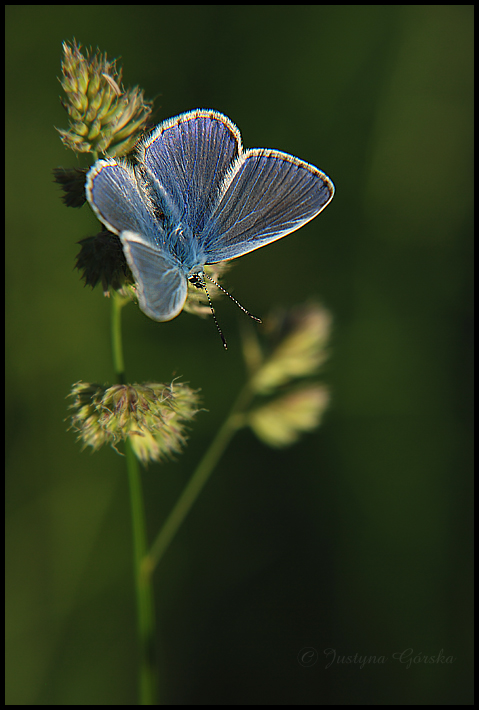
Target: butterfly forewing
[[189, 157], [268, 195], [112, 191]]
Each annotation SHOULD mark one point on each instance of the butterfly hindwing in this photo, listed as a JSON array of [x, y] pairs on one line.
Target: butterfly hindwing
[[160, 282]]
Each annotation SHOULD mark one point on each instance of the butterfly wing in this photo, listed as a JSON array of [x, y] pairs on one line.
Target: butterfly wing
[[266, 195], [160, 282], [121, 200], [187, 159], [113, 192]]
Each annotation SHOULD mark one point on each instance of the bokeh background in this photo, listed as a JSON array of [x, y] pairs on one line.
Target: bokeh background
[[357, 539]]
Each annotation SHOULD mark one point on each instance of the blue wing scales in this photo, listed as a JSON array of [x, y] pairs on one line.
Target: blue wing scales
[[161, 284], [113, 192], [267, 195], [188, 158]]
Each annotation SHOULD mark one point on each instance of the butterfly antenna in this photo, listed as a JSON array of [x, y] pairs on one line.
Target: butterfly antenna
[[214, 315], [258, 320]]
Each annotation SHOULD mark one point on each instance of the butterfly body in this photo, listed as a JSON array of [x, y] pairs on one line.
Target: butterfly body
[[196, 197]]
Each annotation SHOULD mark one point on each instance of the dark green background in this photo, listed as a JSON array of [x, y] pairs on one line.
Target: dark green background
[[357, 539]]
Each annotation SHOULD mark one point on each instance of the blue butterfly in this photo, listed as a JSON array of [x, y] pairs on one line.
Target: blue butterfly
[[195, 196]]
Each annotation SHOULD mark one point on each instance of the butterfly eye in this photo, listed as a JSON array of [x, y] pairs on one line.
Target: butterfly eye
[[196, 280]]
